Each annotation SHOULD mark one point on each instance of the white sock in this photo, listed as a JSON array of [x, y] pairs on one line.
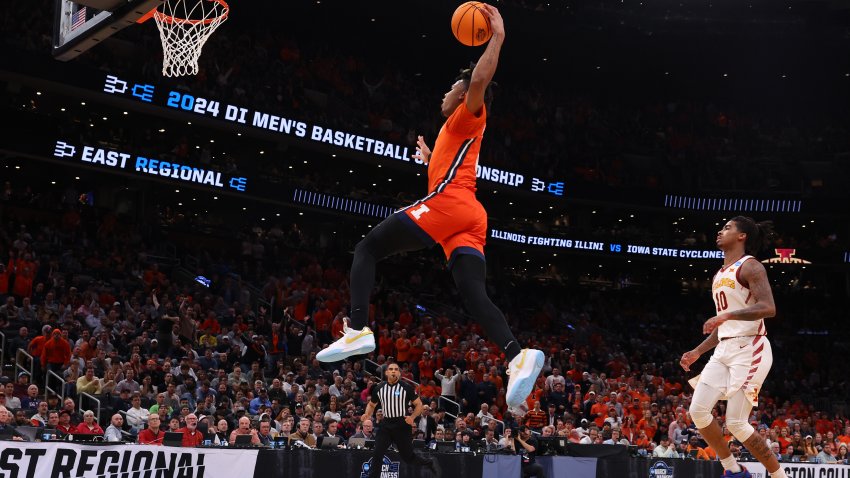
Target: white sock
[[780, 473], [729, 463]]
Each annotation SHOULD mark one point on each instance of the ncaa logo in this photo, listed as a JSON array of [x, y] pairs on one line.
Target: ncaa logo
[[389, 468], [660, 470]]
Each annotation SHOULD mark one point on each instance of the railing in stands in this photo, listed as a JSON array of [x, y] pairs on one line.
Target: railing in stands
[[95, 400], [48, 389], [191, 262], [497, 421], [22, 356], [2, 350], [441, 400], [255, 295], [163, 260]]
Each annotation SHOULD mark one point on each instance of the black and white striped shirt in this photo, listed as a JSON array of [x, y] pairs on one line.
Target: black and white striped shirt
[[394, 398]]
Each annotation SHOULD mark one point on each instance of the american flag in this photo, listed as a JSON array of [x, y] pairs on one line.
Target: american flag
[[78, 18]]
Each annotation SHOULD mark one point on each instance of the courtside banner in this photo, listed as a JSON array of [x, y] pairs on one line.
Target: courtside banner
[[802, 470], [68, 460]]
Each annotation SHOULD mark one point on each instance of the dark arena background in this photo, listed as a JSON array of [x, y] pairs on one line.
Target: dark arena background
[[622, 136]]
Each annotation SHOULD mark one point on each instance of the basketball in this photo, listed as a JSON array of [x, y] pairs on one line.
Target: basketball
[[470, 26]]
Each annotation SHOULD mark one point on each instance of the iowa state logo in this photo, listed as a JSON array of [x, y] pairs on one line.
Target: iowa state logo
[[785, 256], [389, 468]]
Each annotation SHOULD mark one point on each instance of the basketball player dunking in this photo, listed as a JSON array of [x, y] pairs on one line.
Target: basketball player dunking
[[449, 215], [742, 354]]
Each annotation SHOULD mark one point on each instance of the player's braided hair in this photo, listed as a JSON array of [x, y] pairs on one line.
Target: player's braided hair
[[759, 234], [466, 76]]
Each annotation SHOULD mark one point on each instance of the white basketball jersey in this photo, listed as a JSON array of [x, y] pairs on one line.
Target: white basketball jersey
[[730, 295]]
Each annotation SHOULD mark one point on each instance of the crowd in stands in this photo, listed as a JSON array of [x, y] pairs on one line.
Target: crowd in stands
[[91, 300]]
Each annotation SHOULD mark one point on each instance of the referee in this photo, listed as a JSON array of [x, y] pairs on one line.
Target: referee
[[396, 428]]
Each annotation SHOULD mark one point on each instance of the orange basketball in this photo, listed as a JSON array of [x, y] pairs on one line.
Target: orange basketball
[[470, 26]]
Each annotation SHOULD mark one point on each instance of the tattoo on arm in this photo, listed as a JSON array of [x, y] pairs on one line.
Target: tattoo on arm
[[763, 306]]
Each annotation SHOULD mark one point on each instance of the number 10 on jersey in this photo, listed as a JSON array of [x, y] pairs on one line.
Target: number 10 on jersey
[[720, 301]]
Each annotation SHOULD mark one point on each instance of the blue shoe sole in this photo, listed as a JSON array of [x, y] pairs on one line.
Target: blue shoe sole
[[524, 386]]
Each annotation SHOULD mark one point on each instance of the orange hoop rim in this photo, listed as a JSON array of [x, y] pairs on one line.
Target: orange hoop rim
[[171, 19]]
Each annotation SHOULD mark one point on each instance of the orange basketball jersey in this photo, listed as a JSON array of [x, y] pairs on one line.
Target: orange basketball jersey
[[454, 159]]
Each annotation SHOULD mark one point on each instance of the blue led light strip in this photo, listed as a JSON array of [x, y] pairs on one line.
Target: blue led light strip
[[329, 201], [732, 204]]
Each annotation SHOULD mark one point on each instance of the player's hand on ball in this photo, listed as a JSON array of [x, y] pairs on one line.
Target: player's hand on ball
[[497, 25], [423, 152]]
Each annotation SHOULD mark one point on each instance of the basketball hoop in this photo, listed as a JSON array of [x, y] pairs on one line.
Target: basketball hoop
[[184, 27]]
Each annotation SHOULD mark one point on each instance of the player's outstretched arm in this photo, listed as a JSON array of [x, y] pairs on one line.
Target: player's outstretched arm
[[486, 66]]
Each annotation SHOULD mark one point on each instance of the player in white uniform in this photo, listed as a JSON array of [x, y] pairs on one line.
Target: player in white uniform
[[742, 354]]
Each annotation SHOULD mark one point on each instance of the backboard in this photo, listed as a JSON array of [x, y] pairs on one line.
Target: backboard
[[82, 24]]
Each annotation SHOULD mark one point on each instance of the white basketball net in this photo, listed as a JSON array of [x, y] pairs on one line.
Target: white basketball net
[[184, 27]]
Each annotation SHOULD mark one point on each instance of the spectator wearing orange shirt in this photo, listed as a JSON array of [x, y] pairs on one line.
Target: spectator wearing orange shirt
[[844, 437], [4, 282], [405, 318], [643, 441], [426, 367], [386, 344], [823, 424], [402, 347], [599, 411], [471, 356], [56, 353], [784, 439], [36, 349], [429, 389], [322, 317], [780, 421], [416, 349], [337, 325], [24, 275], [634, 408], [535, 418], [627, 429], [694, 450], [153, 278], [648, 424], [211, 324]]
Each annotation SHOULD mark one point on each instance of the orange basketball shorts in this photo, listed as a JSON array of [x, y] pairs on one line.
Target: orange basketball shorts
[[453, 218]]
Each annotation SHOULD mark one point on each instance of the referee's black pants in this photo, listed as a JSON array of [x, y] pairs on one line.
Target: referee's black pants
[[394, 430]]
